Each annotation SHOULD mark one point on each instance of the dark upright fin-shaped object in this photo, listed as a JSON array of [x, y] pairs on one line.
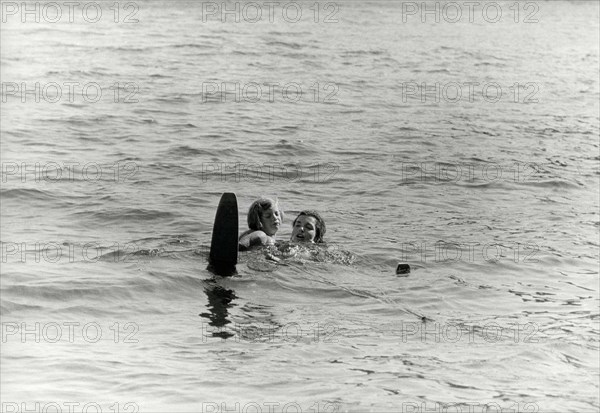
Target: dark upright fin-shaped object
[[224, 245]]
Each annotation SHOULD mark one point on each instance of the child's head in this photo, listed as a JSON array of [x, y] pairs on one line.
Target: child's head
[[308, 227], [265, 215]]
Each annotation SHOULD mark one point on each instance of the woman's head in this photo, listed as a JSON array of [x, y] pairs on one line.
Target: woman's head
[[308, 226], [265, 215]]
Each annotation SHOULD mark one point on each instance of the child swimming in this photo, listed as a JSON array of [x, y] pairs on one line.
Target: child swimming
[[308, 226], [264, 219]]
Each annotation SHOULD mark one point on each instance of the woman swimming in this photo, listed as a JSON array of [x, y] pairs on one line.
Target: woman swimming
[[264, 219], [308, 226]]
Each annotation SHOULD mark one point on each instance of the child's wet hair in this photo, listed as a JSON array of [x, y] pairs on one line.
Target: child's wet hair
[[257, 207], [321, 229]]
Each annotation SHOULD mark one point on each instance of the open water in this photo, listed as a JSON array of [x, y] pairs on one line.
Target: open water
[[486, 184]]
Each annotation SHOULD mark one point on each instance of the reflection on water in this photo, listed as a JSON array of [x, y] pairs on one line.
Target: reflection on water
[[219, 302]]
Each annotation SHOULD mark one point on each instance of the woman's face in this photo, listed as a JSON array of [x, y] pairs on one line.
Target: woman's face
[[271, 220], [305, 229]]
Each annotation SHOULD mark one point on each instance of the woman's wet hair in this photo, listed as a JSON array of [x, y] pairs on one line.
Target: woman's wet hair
[[257, 208], [321, 229]]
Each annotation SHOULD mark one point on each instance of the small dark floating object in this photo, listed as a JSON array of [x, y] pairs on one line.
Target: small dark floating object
[[403, 269]]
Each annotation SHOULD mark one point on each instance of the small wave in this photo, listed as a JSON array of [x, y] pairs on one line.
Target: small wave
[[186, 150], [291, 45], [286, 253], [9, 307], [170, 99], [276, 33], [352, 53], [83, 73], [126, 49], [27, 194], [445, 70], [552, 183], [490, 64], [245, 53], [66, 292], [127, 215], [192, 46]]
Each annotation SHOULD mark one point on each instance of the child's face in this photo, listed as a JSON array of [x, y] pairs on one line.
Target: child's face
[[271, 220], [305, 229]]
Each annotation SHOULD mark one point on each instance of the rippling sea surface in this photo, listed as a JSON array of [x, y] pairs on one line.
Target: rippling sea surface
[[489, 192]]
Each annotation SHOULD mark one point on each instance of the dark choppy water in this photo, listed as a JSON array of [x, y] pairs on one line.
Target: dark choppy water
[[493, 200]]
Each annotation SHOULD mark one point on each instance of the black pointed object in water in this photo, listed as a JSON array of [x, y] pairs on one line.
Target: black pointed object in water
[[402, 269], [224, 244]]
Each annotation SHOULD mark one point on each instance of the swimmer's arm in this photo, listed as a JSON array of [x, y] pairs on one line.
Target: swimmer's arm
[[256, 238]]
